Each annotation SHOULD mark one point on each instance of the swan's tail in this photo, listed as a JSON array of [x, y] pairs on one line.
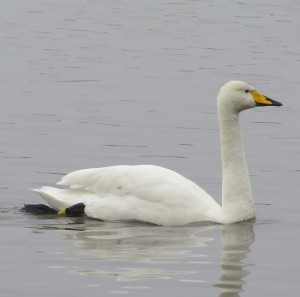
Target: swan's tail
[[63, 201], [54, 197], [64, 198]]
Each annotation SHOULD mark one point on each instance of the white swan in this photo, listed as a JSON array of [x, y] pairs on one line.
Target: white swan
[[161, 196]]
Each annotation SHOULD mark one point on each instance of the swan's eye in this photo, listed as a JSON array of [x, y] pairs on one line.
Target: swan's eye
[[247, 91]]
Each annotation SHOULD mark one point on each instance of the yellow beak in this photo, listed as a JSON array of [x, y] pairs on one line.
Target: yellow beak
[[262, 100]]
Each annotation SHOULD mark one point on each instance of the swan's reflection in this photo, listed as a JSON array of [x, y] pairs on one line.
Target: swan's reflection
[[236, 242], [138, 242], [131, 251]]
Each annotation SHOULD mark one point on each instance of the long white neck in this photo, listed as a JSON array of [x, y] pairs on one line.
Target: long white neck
[[237, 199]]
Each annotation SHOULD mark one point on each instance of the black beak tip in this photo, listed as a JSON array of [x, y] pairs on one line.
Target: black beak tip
[[278, 104], [274, 102]]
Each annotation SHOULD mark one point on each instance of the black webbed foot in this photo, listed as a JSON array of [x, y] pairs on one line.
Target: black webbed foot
[[38, 209], [76, 210]]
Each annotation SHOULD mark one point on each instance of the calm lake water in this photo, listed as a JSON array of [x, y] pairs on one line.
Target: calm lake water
[[87, 83]]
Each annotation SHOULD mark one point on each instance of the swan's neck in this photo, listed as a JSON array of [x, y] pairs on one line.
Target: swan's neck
[[237, 199]]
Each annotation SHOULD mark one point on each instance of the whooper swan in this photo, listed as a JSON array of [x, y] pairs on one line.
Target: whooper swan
[[161, 196]]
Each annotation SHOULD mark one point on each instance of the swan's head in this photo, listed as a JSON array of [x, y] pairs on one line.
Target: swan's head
[[237, 96]]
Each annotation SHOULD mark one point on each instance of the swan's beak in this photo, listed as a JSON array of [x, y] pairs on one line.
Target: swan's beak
[[262, 100]]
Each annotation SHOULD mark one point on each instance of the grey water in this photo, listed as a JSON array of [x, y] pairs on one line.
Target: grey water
[[88, 83]]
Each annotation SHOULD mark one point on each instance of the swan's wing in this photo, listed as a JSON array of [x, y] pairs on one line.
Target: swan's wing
[[147, 182]]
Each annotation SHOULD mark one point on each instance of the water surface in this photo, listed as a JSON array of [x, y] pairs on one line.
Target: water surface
[[89, 83]]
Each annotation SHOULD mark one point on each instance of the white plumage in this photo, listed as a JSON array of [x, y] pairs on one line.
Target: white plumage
[[161, 196]]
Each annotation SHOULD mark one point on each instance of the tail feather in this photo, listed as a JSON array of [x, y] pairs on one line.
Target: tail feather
[[64, 198], [50, 195]]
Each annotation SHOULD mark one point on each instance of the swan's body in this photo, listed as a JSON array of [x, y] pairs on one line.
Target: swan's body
[[161, 196]]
